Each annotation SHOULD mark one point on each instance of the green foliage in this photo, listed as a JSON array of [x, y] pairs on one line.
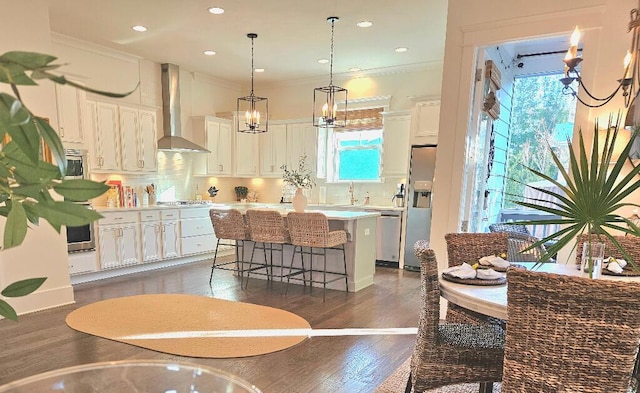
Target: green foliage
[[301, 177], [26, 179], [594, 191]]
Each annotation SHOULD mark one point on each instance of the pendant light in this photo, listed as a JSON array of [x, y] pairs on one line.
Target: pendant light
[[325, 99], [255, 109]]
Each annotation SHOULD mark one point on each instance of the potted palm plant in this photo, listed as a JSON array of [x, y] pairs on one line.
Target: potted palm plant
[[27, 177], [593, 190]]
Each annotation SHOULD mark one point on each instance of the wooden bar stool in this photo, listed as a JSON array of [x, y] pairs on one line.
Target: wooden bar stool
[[312, 230], [269, 234], [231, 230]]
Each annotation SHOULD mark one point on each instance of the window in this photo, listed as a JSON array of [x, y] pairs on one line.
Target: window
[[355, 153]]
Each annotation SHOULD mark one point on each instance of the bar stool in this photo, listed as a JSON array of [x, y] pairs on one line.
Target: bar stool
[[231, 230], [267, 228], [312, 230]]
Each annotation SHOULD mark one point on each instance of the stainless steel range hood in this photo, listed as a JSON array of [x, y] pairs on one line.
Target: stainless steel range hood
[[172, 125]]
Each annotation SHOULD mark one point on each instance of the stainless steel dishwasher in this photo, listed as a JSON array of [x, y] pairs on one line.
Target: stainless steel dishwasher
[[389, 227]]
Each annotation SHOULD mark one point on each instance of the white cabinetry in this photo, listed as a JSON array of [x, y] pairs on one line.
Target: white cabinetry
[[395, 144], [197, 231], [69, 103], [302, 140], [425, 120], [214, 133], [138, 137], [273, 150], [118, 239], [247, 153], [170, 234], [103, 119], [150, 233]]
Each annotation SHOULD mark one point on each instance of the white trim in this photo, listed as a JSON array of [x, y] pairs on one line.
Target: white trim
[[43, 300], [195, 76], [61, 39]]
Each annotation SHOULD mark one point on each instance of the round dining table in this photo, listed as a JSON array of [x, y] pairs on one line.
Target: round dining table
[[491, 300]]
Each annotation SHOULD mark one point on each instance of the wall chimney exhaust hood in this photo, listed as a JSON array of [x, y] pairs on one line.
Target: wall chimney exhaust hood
[[172, 125]]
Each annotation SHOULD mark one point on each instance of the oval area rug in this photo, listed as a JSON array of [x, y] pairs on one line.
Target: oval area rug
[[180, 324]]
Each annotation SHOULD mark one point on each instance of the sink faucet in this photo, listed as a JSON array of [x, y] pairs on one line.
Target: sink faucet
[[351, 189]]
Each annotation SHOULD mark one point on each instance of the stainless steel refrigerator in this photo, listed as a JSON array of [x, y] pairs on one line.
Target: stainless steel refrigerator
[[418, 198]]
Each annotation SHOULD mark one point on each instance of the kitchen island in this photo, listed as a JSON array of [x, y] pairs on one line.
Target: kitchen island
[[135, 239]]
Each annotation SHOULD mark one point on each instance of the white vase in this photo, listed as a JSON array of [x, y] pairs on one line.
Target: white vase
[[299, 201]]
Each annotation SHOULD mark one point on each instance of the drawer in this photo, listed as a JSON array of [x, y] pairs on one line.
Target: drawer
[[196, 227], [82, 262], [170, 214], [198, 244], [150, 215], [193, 212], [118, 217]]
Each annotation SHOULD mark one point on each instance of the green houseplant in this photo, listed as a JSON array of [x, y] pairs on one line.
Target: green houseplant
[[27, 178], [241, 192], [593, 190]]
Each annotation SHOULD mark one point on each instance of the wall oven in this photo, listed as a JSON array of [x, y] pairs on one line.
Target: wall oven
[[80, 238]]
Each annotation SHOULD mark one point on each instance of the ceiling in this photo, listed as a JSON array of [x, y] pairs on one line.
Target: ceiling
[[292, 34]]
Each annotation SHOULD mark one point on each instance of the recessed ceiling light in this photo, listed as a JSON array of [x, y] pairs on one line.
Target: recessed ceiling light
[[139, 28], [209, 52], [259, 70], [323, 61], [355, 69], [364, 23], [216, 10], [401, 49]]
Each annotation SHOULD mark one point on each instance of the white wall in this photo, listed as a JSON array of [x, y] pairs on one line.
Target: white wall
[[44, 253], [472, 24]]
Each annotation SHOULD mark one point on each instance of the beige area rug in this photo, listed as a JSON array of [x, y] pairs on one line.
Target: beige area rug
[[189, 325], [397, 382]]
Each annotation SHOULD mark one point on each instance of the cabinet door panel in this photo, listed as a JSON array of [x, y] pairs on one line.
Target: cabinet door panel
[[247, 159], [148, 141], [302, 140], [225, 148], [130, 245], [129, 137], [273, 150], [109, 247], [395, 145], [69, 101], [107, 141], [151, 242], [170, 240]]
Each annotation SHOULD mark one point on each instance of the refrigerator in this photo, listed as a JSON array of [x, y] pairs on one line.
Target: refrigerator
[[418, 200]]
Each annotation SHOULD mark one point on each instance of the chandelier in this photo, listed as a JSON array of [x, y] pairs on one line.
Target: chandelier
[[252, 105], [325, 99], [628, 83]]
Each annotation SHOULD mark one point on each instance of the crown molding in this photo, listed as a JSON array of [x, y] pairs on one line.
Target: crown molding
[[93, 48], [215, 81]]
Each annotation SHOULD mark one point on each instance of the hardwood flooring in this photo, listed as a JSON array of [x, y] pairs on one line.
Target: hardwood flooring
[[42, 341]]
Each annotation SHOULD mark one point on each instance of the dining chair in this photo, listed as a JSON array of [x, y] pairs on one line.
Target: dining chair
[[311, 230], [631, 245], [448, 353], [508, 227], [230, 229], [469, 248], [570, 333]]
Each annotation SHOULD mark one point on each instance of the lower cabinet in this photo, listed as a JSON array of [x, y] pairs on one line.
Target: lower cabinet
[[197, 232], [170, 234], [118, 240]]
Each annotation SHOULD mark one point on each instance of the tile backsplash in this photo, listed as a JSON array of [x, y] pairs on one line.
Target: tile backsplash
[[175, 181]]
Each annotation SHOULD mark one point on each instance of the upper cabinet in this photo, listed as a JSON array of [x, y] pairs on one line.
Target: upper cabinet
[[247, 154], [425, 122], [302, 140], [215, 134], [69, 103], [125, 137], [395, 143], [273, 150]]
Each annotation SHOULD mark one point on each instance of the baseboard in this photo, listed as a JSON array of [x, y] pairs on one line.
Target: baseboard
[[42, 300]]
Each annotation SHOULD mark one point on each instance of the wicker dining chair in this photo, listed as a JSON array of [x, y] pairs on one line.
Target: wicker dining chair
[[508, 227], [469, 248], [517, 248], [569, 333], [448, 353], [311, 229], [230, 229], [631, 245], [269, 233]]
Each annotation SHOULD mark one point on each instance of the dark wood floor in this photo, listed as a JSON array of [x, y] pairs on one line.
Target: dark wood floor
[[42, 341]]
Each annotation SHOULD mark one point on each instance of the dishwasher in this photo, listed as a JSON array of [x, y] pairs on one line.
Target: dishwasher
[[389, 227]]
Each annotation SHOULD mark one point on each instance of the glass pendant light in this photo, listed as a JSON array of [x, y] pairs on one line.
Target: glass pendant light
[[253, 111], [326, 99]]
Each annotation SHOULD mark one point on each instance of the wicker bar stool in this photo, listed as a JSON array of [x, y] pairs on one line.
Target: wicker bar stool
[[570, 334], [469, 247], [269, 234], [231, 230], [312, 230], [448, 353]]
